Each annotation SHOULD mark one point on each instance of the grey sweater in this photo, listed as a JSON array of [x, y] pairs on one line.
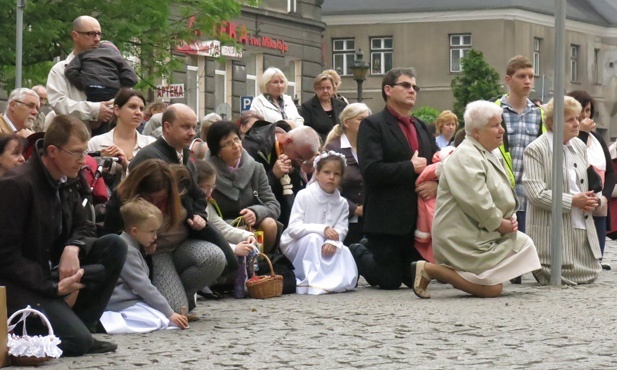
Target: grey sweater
[[133, 285]]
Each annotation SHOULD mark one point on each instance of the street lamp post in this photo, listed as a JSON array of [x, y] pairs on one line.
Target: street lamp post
[[359, 68], [21, 4]]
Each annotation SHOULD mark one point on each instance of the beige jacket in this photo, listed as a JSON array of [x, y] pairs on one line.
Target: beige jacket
[[577, 267], [474, 195]]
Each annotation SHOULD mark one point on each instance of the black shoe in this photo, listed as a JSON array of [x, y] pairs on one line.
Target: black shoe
[[100, 346], [356, 250], [214, 296], [516, 280], [606, 266]]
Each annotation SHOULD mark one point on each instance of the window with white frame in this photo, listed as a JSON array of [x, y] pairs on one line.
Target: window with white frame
[[343, 55], [381, 55], [574, 53], [536, 56], [220, 83], [192, 88], [252, 88], [292, 71], [460, 45], [291, 6]]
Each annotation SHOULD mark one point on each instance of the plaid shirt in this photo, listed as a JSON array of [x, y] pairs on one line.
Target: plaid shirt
[[522, 130]]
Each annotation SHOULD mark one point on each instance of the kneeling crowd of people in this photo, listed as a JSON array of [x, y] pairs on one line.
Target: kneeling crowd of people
[[368, 195]]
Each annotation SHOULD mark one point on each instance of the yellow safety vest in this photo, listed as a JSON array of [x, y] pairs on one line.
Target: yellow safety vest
[[505, 152]]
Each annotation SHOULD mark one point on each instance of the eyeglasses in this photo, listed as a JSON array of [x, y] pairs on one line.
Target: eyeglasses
[[235, 141], [91, 34], [78, 155], [152, 233], [31, 106], [407, 86]]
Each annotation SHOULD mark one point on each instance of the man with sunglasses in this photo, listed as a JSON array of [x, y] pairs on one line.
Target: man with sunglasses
[[66, 98], [45, 231], [393, 149], [21, 112]]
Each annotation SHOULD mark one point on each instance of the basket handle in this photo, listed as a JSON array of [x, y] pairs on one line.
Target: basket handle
[[25, 312], [251, 264]]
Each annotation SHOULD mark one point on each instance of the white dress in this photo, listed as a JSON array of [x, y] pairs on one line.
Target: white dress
[[301, 242]]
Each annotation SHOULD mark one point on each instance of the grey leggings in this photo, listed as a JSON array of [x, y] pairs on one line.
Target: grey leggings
[[191, 266]]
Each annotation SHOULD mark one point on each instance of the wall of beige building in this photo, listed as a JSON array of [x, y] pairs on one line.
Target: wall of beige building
[[425, 46]]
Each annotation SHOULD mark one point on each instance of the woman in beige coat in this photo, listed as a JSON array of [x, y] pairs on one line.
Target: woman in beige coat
[[476, 241], [581, 249]]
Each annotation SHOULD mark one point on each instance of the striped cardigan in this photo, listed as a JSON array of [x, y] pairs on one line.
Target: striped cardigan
[[579, 260]]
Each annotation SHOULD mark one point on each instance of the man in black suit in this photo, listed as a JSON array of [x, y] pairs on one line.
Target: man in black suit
[[393, 149]]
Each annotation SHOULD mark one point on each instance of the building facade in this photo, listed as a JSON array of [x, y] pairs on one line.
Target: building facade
[[286, 34], [433, 36]]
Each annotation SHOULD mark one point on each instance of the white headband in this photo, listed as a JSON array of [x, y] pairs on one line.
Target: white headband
[[327, 154]]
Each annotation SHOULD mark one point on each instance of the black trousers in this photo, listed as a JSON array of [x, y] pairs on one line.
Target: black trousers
[[386, 260], [74, 325]]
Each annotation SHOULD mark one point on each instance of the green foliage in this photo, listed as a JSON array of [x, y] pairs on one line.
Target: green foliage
[[478, 81], [147, 29], [426, 114]]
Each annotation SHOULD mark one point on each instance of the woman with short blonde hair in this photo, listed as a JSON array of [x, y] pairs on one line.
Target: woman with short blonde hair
[[273, 103]]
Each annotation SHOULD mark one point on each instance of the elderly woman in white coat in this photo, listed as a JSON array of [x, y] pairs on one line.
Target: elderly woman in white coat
[[273, 104], [580, 246], [476, 241]]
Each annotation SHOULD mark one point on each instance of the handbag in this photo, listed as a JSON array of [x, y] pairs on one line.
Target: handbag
[[239, 223]]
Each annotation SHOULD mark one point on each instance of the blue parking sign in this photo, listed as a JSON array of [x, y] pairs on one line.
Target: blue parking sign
[[245, 103]]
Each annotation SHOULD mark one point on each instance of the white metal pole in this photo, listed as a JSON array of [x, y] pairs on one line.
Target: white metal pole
[[21, 4], [557, 186]]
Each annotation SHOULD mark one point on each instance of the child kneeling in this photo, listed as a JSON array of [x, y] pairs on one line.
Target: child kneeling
[[136, 306], [317, 227]]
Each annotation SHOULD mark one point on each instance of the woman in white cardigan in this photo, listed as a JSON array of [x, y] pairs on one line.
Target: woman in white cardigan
[[273, 104], [580, 247]]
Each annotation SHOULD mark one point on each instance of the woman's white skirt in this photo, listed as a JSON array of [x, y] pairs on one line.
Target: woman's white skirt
[[517, 264], [316, 274], [139, 318]]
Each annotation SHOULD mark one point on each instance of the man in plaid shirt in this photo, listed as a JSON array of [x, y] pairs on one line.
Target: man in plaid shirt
[[522, 120]]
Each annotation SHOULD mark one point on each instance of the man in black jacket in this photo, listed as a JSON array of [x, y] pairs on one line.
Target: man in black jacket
[[393, 149], [286, 154], [179, 123], [43, 227]]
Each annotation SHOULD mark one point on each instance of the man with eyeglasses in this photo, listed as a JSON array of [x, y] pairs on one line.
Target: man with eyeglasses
[[64, 97], [45, 231], [21, 112], [393, 149], [287, 156]]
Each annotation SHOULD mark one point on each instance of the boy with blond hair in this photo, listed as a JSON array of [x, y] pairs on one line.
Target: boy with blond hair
[[136, 306]]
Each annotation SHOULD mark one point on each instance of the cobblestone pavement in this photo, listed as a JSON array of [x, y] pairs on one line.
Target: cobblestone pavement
[[528, 327]]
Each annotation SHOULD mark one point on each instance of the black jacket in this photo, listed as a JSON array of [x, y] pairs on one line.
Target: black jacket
[[29, 238], [195, 201], [259, 144], [384, 155], [316, 117], [100, 66]]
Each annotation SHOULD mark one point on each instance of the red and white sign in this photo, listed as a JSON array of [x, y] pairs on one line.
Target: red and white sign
[[173, 91]]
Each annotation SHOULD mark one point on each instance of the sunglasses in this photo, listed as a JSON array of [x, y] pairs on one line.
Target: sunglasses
[[407, 86]]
